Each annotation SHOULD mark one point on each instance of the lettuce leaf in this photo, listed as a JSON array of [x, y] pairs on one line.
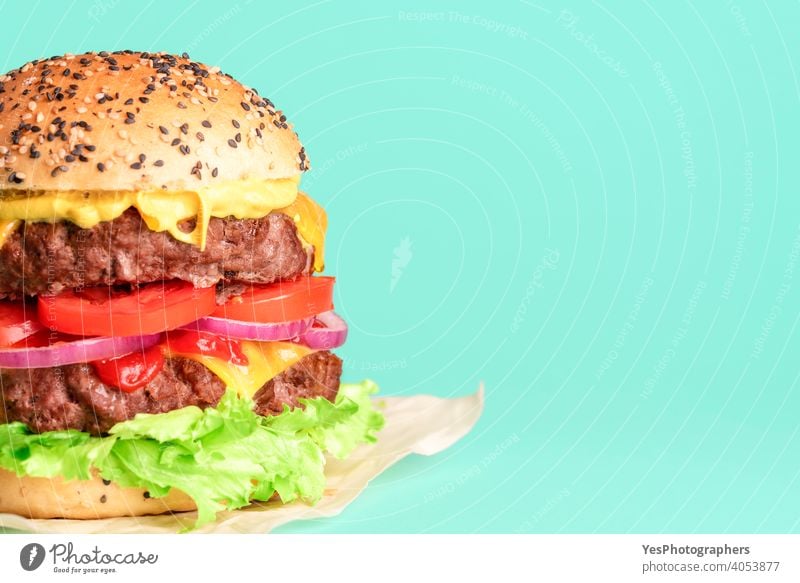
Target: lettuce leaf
[[222, 457]]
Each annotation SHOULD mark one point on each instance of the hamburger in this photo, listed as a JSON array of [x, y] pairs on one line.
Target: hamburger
[[165, 342]]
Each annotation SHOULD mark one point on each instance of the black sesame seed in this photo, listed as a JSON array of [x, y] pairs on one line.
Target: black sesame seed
[[147, 494], [101, 167], [176, 141], [142, 158], [144, 100], [158, 163], [184, 149], [206, 124], [136, 165], [69, 158], [106, 482], [103, 499], [200, 136], [14, 179], [235, 124], [215, 172], [245, 106], [232, 143], [238, 138], [129, 101], [163, 130]]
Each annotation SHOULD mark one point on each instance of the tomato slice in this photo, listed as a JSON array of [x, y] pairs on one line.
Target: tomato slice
[[132, 371], [206, 344], [17, 322], [106, 311], [280, 302]]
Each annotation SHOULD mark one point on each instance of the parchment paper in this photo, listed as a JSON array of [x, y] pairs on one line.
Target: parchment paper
[[421, 424]]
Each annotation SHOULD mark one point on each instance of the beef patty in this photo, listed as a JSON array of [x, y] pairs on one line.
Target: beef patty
[[48, 258], [73, 397]]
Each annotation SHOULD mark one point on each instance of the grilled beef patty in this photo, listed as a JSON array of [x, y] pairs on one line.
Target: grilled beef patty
[[48, 258], [73, 397]]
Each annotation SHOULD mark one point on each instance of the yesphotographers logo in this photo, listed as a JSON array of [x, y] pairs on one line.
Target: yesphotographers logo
[[31, 556]]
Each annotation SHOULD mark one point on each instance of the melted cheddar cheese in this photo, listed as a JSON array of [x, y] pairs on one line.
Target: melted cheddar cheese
[[164, 210], [6, 228], [266, 360]]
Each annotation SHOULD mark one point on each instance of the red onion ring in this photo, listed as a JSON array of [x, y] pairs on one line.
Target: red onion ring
[[84, 350], [251, 330], [332, 335]]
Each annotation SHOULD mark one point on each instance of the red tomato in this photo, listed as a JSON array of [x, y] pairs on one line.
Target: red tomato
[[132, 371], [105, 311], [17, 322], [280, 302], [206, 343]]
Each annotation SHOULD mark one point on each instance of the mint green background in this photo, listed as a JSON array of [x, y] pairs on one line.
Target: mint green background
[[600, 203]]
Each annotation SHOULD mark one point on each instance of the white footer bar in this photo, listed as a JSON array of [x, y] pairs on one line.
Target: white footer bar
[[407, 558]]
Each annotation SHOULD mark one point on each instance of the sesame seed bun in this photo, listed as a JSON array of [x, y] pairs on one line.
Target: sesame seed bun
[[84, 499], [137, 121]]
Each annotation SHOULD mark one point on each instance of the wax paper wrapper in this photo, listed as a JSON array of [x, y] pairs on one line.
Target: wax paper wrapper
[[420, 424]]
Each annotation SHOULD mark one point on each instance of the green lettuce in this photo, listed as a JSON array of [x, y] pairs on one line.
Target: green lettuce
[[223, 457]]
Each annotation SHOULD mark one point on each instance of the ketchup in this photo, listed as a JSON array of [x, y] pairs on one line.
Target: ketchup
[[206, 344], [132, 371]]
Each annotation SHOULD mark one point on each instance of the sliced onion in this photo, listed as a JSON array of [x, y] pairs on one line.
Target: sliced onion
[[251, 330], [84, 350], [331, 334]]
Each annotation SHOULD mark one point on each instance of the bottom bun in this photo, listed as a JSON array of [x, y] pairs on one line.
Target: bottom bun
[[82, 499]]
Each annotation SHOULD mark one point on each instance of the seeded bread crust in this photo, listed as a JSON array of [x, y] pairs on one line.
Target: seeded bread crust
[[137, 121]]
